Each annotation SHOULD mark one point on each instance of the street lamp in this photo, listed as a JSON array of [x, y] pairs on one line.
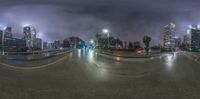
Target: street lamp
[[92, 41], [106, 31]]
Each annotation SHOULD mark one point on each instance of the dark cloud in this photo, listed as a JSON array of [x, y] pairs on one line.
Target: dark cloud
[[127, 19]]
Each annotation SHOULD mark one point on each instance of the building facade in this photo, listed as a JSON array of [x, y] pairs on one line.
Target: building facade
[[14, 45], [195, 39], [169, 36], [8, 32], [45, 46], [37, 44], [30, 37], [57, 44]]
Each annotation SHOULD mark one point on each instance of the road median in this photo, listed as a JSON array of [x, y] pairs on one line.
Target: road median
[[193, 55], [129, 56]]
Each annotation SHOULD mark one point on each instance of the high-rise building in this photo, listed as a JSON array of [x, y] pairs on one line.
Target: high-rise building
[[178, 42], [27, 32], [195, 39], [8, 32], [37, 44], [33, 33], [27, 36], [45, 46], [30, 37], [169, 36], [14, 45], [57, 44], [186, 39]]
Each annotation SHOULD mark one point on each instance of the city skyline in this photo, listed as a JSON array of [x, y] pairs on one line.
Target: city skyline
[[42, 36], [129, 19]]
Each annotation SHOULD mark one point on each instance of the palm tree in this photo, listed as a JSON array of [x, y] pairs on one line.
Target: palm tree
[[146, 41], [98, 40]]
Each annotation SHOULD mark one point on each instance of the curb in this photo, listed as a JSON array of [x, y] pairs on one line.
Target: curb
[[126, 59], [126, 56], [193, 57]]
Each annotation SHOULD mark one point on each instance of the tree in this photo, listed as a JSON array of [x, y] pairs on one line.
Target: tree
[[130, 45], [66, 43], [146, 41], [136, 45], [119, 43], [98, 40]]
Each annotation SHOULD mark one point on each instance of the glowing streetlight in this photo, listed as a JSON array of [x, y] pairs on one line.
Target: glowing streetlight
[[106, 31], [190, 26]]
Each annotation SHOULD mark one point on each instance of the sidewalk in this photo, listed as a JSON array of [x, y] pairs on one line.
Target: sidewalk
[[197, 55], [194, 55]]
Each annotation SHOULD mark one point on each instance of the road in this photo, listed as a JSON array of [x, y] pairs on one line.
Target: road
[[86, 75]]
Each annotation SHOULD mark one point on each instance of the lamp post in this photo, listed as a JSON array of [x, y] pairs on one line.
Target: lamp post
[[92, 43], [106, 31]]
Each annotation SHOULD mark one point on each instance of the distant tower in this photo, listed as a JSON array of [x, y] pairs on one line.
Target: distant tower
[[195, 38], [27, 32], [8, 32], [169, 36], [186, 39], [27, 36], [33, 33]]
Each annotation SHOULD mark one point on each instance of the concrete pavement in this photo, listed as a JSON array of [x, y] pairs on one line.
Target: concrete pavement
[[86, 75]]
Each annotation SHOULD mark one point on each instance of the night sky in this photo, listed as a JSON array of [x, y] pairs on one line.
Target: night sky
[[127, 19]]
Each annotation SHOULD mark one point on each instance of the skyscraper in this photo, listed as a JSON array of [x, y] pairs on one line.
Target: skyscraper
[[178, 42], [27, 32], [30, 37], [195, 39], [33, 33], [169, 36], [8, 32], [57, 44], [45, 46], [37, 44], [27, 37]]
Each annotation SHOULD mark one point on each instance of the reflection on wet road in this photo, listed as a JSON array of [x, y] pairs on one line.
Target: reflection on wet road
[[86, 75]]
